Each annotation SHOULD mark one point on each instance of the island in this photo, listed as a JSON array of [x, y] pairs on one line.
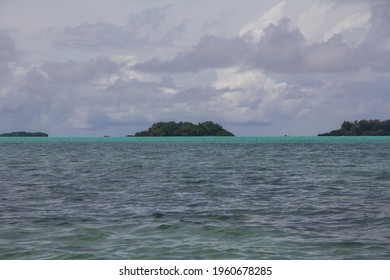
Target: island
[[207, 128], [24, 134], [361, 128]]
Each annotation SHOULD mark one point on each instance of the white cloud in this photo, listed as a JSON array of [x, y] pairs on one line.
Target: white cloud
[[314, 21], [124, 73], [251, 96], [254, 30], [353, 29], [322, 19], [235, 79]]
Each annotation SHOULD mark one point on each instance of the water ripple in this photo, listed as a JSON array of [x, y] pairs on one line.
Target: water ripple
[[245, 198]]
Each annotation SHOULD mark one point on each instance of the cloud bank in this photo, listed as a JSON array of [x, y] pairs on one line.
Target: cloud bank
[[278, 74]]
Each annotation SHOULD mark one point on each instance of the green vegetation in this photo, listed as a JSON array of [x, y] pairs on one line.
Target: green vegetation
[[24, 134], [207, 128], [362, 128]]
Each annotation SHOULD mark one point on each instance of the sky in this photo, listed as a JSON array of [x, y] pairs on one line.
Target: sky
[[266, 68]]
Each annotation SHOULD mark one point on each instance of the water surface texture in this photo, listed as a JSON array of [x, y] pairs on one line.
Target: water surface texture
[[195, 198]]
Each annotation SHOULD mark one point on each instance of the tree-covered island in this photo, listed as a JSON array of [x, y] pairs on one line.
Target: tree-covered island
[[24, 134], [207, 128], [361, 128]]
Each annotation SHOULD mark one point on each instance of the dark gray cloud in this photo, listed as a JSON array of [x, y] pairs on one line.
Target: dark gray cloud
[[8, 54], [376, 48], [72, 72], [7, 47], [280, 49], [333, 55], [210, 52], [380, 15]]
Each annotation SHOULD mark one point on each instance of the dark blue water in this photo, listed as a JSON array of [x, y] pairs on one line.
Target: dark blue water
[[195, 198]]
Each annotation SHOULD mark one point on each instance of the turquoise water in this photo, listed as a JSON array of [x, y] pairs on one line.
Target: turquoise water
[[195, 198]]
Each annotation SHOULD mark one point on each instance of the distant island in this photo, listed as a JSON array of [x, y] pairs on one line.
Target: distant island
[[24, 134], [361, 128], [207, 128]]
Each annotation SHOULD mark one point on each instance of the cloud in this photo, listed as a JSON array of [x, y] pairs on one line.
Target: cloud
[[376, 48], [8, 55], [379, 35], [210, 52], [148, 29], [353, 29], [68, 95], [249, 96], [280, 49], [254, 30], [7, 47], [330, 56], [315, 21]]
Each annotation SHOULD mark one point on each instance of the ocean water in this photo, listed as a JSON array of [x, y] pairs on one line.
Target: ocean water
[[195, 198]]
